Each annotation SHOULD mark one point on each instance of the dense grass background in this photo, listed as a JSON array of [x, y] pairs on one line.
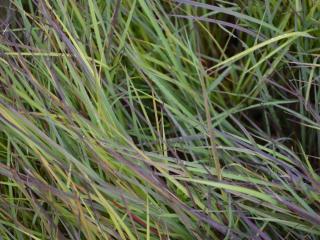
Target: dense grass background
[[159, 119]]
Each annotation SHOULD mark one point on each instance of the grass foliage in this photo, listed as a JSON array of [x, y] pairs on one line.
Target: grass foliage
[[159, 119]]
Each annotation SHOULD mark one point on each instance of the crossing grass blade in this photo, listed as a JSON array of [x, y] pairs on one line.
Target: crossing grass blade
[[159, 119]]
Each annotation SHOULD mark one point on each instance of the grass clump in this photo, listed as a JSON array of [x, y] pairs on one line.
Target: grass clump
[[158, 119]]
